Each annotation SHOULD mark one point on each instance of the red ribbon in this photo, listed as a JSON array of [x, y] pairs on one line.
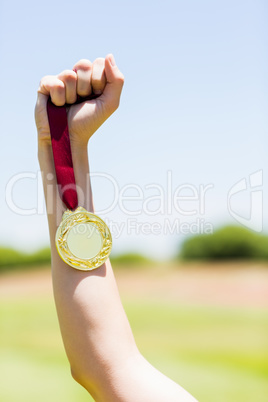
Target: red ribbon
[[61, 147]]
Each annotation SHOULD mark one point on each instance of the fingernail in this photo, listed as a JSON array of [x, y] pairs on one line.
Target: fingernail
[[112, 60]]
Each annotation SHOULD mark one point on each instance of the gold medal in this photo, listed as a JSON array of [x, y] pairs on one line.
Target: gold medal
[[83, 239]]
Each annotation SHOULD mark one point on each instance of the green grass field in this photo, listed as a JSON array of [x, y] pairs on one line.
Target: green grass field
[[218, 354]]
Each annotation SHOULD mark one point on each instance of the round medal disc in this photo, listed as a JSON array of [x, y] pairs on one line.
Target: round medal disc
[[83, 240]]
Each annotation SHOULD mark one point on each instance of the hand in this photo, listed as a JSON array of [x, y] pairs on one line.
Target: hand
[[102, 78]]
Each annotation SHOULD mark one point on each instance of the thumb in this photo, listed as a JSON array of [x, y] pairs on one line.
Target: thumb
[[115, 81]]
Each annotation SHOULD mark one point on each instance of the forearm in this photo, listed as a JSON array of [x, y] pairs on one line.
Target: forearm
[[94, 327]]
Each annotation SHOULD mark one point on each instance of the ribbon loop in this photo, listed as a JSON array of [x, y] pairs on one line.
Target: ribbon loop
[[61, 147]]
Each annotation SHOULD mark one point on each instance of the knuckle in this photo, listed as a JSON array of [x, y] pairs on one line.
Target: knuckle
[[58, 93], [44, 81], [67, 76], [59, 87], [99, 61], [46, 78], [83, 64]]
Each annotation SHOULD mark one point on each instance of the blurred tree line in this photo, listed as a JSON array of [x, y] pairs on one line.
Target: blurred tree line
[[13, 259], [227, 243]]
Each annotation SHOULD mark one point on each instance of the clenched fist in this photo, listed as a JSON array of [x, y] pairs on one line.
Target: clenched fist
[[101, 78]]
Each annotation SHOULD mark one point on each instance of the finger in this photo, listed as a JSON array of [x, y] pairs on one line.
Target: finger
[[69, 78], [53, 87], [98, 79], [83, 70], [115, 82]]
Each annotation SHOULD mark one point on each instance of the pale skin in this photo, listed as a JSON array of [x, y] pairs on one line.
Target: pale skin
[[96, 333]]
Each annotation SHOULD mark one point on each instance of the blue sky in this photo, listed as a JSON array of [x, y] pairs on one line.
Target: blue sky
[[193, 109]]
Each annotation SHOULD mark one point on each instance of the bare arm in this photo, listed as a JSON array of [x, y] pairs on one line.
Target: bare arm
[[97, 337]]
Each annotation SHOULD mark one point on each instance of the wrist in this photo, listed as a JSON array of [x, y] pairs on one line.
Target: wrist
[[78, 150], [45, 156], [81, 172]]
